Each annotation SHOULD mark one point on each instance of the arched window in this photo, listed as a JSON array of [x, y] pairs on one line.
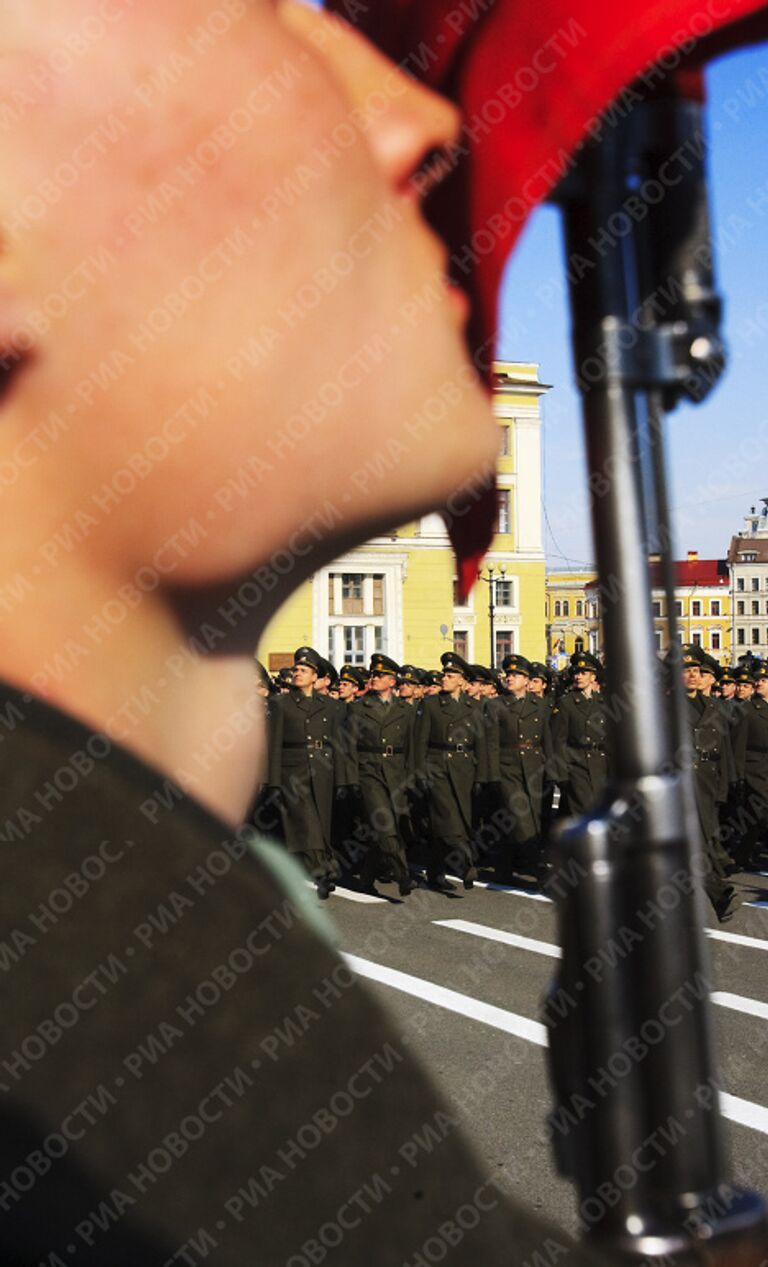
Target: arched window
[[557, 608], [579, 607], [566, 608], [578, 644]]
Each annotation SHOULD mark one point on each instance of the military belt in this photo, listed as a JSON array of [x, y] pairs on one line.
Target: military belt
[[524, 745], [588, 747], [453, 747], [307, 743], [707, 754], [389, 750]]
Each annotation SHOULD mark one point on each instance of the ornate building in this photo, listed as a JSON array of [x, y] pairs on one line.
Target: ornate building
[[397, 593]]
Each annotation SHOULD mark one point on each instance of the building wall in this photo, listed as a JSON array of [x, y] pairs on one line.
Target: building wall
[[418, 566], [697, 624], [563, 631], [290, 627], [748, 559]]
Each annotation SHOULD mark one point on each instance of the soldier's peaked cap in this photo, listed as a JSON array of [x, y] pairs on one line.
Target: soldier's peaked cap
[[382, 664], [692, 656], [310, 657], [710, 665], [516, 664], [351, 673], [480, 673], [581, 660], [540, 670], [759, 671], [328, 670], [454, 663], [409, 673], [742, 674]]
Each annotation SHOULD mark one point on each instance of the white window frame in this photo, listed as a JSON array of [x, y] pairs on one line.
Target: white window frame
[[385, 630]]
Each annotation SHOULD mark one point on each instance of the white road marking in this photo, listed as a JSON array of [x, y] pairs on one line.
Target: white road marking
[[752, 1007], [737, 1002], [745, 1112], [507, 888], [498, 1017], [738, 939], [351, 896], [496, 934]]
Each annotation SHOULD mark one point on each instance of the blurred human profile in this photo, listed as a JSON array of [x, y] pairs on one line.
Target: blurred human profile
[[229, 352]]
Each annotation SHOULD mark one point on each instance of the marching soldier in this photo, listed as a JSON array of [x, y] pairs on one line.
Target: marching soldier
[[519, 752], [380, 732], [751, 742], [434, 682], [408, 684], [351, 683], [450, 758], [745, 686], [728, 687], [283, 680], [538, 684], [579, 738], [708, 728], [327, 678], [730, 712], [412, 682], [304, 761]]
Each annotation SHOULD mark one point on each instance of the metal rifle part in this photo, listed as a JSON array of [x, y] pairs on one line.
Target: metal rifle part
[[636, 1122]]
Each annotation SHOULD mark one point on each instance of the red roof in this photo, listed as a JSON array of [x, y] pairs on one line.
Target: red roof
[[689, 572]]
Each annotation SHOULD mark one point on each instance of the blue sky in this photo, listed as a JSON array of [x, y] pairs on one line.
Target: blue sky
[[718, 451]]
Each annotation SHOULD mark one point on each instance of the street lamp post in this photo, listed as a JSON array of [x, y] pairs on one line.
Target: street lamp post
[[490, 576]]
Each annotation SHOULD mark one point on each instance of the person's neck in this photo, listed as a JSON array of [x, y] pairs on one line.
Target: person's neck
[[457, 693], [307, 688], [174, 698], [385, 696]]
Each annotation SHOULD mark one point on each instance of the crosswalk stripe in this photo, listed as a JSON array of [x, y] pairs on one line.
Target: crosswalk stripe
[[752, 1007], [497, 934], [737, 1002], [351, 896], [507, 888], [498, 1017], [745, 1112], [737, 939]]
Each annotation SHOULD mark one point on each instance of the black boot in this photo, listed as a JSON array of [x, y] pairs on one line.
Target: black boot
[[440, 883]]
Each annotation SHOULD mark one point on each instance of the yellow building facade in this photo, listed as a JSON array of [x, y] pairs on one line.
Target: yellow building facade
[[397, 593], [572, 616], [704, 607]]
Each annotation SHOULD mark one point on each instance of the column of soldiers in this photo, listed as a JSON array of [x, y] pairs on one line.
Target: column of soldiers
[[415, 777]]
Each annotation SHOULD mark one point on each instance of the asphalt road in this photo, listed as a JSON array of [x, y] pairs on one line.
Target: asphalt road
[[463, 974]]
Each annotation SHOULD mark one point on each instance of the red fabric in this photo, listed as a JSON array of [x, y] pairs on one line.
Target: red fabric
[[531, 79]]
